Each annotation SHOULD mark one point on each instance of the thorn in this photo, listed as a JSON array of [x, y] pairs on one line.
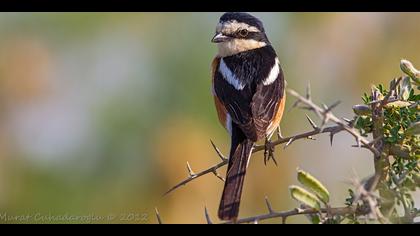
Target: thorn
[[294, 105], [333, 106], [267, 202], [324, 106], [289, 142], [308, 91], [207, 216], [158, 216], [219, 153], [359, 143], [283, 220], [190, 171], [311, 138], [331, 138], [218, 176], [299, 210], [311, 122], [348, 121]]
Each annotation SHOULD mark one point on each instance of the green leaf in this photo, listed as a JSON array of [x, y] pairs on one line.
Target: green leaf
[[314, 185], [349, 200], [305, 197]]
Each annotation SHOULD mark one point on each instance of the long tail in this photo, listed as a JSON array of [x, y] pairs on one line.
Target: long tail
[[238, 162]]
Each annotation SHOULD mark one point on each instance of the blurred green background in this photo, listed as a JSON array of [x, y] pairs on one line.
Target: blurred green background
[[99, 112]]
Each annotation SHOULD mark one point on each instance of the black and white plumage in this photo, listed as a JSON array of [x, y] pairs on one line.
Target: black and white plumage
[[248, 87]]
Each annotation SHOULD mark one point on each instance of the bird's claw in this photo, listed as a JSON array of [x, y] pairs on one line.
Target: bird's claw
[[269, 152]]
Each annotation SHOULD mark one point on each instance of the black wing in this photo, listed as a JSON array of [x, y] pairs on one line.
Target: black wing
[[265, 104], [237, 103]]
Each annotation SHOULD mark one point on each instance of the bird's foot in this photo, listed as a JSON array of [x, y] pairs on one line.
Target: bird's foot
[[269, 152]]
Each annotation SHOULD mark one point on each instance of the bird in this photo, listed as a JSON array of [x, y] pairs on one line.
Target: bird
[[248, 87]]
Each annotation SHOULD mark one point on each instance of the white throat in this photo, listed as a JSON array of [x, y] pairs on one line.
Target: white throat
[[236, 46]]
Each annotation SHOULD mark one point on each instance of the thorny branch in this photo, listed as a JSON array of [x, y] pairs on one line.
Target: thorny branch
[[364, 190], [297, 211], [324, 113], [283, 215], [287, 140]]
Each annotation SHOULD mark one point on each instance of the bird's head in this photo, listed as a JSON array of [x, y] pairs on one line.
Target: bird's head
[[238, 32]]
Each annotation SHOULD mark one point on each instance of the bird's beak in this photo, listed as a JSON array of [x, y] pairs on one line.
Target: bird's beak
[[219, 38]]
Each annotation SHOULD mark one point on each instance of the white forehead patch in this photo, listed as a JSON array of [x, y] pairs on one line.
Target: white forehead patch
[[230, 27]]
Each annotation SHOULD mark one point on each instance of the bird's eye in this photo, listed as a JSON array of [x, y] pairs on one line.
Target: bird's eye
[[243, 33]]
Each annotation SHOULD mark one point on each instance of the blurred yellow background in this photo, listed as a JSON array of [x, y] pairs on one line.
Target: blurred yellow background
[[99, 112]]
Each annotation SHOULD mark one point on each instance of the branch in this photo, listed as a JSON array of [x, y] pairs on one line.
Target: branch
[[392, 91], [324, 113], [380, 207], [307, 211], [212, 169], [288, 141], [381, 160], [307, 135]]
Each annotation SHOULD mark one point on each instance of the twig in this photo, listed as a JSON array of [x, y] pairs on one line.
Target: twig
[[392, 88], [372, 205], [285, 214], [206, 213], [364, 192], [197, 175], [258, 148], [219, 153], [324, 113], [190, 171], [267, 202], [306, 135], [158, 216]]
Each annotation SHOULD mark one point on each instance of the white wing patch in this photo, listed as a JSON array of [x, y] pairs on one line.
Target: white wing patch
[[229, 76], [274, 73]]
